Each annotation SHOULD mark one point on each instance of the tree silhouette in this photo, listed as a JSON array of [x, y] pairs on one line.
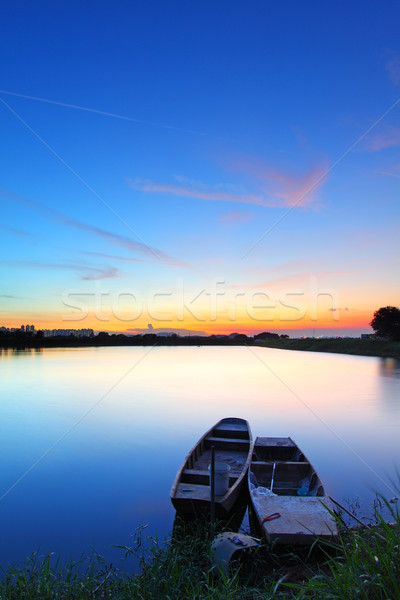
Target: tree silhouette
[[386, 322]]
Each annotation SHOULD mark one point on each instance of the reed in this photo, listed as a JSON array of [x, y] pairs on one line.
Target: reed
[[365, 564]]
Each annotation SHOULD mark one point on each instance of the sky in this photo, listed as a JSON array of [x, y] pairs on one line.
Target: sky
[[208, 167]]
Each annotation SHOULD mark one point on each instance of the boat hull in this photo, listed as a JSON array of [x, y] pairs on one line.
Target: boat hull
[[191, 491]]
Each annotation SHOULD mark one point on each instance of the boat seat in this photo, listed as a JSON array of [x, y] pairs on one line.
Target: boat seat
[[201, 476], [195, 472], [285, 491], [227, 441], [271, 462], [228, 432], [192, 491], [274, 442]]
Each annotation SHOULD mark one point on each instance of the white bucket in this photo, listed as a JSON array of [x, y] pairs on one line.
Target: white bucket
[[221, 479]]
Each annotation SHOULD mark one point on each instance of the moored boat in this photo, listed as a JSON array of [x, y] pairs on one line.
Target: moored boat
[[287, 495], [233, 447]]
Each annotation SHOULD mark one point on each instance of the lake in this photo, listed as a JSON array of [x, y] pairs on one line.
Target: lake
[[91, 438]]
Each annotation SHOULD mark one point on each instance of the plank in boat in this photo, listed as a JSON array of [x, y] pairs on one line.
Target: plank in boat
[[297, 495]]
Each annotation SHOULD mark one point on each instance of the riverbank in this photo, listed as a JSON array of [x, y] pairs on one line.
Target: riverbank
[[356, 346], [364, 563]]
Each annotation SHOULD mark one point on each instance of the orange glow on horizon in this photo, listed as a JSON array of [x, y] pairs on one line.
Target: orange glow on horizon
[[219, 326]]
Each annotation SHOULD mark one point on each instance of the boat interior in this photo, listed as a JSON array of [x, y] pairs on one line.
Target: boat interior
[[231, 442], [280, 464]]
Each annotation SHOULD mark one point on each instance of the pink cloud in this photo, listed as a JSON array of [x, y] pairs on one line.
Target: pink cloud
[[388, 138], [278, 188], [393, 68], [293, 190], [394, 173]]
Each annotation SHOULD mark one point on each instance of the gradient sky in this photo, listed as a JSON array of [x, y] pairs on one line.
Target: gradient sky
[[212, 167]]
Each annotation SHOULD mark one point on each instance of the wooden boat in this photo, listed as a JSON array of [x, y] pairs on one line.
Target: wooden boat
[[191, 490], [296, 512]]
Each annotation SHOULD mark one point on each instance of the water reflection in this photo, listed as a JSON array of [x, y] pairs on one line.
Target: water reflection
[[119, 422], [389, 367], [19, 352]]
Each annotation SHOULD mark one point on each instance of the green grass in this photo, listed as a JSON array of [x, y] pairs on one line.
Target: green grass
[[367, 565], [364, 564]]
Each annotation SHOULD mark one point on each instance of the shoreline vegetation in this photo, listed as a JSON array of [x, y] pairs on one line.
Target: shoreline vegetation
[[363, 563], [369, 346], [355, 346]]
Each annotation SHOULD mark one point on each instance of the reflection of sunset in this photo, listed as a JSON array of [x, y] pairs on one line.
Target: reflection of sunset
[[180, 392], [123, 419], [390, 367]]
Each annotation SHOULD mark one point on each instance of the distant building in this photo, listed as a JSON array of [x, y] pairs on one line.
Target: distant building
[[27, 328], [66, 332], [50, 332]]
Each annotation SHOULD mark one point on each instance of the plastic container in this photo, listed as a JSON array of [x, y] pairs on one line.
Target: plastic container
[[263, 491], [221, 479]]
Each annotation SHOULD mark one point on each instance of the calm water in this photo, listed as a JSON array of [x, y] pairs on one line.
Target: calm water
[[91, 438]]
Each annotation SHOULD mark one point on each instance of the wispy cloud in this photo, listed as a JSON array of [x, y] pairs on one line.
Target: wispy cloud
[[146, 185], [386, 138], [393, 69], [15, 231], [131, 259], [116, 239], [121, 258], [119, 240], [95, 273], [391, 172], [88, 272], [275, 188], [12, 297]]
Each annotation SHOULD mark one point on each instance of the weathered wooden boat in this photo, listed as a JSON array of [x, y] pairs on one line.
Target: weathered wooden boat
[[287, 496], [233, 446]]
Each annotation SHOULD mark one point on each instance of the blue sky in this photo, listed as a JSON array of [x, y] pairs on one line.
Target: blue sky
[[207, 167]]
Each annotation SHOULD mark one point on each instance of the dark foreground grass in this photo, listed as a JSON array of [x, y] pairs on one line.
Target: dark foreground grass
[[362, 347], [364, 564]]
